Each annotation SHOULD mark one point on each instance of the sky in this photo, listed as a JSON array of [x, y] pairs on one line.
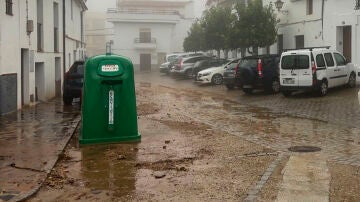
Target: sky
[[103, 5]]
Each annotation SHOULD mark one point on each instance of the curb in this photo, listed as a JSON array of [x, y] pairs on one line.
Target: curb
[[31, 193]]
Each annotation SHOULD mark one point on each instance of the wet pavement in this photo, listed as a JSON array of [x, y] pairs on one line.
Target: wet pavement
[[31, 141], [331, 123], [205, 143]]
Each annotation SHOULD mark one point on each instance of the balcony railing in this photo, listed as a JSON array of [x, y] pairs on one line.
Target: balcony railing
[[357, 4], [143, 11], [144, 40]]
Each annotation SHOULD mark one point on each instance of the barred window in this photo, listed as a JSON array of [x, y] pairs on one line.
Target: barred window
[[8, 5], [357, 4]]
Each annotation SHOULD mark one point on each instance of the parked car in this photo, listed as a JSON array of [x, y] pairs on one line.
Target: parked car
[[171, 59], [184, 65], [258, 72], [215, 74], [205, 64], [229, 74], [315, 69], [73, 82]]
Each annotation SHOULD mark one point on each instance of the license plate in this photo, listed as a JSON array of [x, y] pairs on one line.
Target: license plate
[[289, 81], [230, 75]]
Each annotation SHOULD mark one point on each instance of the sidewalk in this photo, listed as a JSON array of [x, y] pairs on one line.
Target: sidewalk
[[31, 141]]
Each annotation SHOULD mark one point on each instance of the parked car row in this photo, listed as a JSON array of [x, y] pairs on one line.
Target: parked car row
[[308, 69]]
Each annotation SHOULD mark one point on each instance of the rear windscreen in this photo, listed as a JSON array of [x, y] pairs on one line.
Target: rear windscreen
[[295, 62], [248, 63]]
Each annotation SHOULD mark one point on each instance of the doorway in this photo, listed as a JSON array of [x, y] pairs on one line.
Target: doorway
[[58, 77], [145, 62], [299, 41], [347, 42], [25, 74], [39, 81]]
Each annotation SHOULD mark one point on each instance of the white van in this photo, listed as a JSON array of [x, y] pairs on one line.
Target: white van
[[314, 69]]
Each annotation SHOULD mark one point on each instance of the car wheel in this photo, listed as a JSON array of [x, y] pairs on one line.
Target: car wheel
[[286, 93], [275, 86], [323, 88], [248, 90], [217, 79], [230, 86], [352, 80], [188, 73], [67, 100]]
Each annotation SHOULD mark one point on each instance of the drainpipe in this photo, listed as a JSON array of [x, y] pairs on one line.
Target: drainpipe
[[64, 36], [82, 32], [322, 19]]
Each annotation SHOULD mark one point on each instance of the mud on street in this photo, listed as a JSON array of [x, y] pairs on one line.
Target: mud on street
[[198, 145]]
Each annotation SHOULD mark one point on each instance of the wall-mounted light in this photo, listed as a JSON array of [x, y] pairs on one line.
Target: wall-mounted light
[[279, 4]]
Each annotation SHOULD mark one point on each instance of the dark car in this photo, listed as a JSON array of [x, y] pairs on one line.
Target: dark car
[[259, 72], [207, 63], [73, 82], [229, 74], [184, 66]]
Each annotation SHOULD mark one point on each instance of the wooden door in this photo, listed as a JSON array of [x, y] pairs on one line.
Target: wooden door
[[145, 62], [347, 42]]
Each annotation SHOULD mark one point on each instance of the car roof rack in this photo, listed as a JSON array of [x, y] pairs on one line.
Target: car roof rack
[[307, 48]]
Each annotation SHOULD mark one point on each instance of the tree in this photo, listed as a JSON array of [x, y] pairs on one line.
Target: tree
[[195, 40], [256, 25], [217, 23]]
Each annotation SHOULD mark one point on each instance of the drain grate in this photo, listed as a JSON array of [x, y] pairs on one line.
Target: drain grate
[[304, 149]]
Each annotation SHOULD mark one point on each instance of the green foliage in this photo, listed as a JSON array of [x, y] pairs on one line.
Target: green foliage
[[218, 23], [256, 26], [195, 40], [221, 29]]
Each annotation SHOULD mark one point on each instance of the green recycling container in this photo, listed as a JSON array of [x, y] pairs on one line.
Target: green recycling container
[[109, 101]]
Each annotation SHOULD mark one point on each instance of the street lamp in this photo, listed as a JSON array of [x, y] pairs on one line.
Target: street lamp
[[279, 4]]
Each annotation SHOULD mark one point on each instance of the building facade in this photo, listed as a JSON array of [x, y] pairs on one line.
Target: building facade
[[309, 23], [98, 32], [31, 52], [146, 30]]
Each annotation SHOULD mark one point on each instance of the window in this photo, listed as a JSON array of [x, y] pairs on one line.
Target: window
[[295, 62], [340, 61], [40, 28], [72, 10], [329, 60], [145, 36], [320, 60], [309, 7], [56, 26], [8, 6]]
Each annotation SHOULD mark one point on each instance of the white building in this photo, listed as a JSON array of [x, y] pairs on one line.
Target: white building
[[98, 32], [309, 23], [146, 30], [31, 51], [74, 37]]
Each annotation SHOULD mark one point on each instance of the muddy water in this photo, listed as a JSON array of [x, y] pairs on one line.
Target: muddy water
[[30, 141]]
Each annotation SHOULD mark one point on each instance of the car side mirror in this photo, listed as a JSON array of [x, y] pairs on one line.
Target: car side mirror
[[347, 61]]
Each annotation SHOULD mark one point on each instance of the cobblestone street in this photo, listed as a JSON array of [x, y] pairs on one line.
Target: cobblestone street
[[330, 122]]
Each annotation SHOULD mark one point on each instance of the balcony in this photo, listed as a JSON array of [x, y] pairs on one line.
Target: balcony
[[143, 43], [143, 15]]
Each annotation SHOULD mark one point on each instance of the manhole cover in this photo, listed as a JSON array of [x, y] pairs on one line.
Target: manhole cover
[[304, 149]]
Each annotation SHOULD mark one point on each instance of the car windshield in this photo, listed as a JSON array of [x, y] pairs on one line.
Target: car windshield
[[172, 58], [232, 65]]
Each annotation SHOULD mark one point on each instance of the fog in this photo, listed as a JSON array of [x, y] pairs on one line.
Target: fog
[[103, 5], [100, 5]]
